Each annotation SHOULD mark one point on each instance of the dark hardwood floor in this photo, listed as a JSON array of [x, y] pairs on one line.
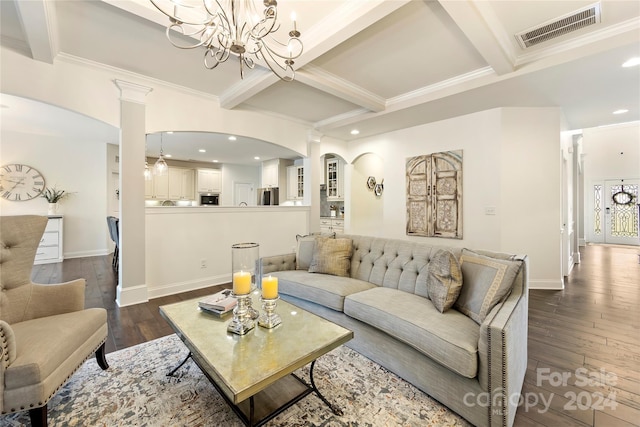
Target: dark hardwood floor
[[584, 341]]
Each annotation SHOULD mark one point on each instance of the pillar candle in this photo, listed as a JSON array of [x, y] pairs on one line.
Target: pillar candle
[[270, 287], [241, 282]]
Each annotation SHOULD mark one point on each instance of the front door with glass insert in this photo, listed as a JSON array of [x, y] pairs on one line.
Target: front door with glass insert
[[615, 212]]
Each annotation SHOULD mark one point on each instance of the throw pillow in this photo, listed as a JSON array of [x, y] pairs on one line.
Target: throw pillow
[[304, 249], [485, 281], [332, 256], [444, 280]]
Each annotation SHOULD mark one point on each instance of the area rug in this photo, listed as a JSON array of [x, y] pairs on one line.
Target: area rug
[[135, 391]]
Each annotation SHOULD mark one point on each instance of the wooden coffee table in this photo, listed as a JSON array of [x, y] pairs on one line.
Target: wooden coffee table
[[254, 372]]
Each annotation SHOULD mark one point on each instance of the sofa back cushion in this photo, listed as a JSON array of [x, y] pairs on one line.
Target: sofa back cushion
[[392, 263]]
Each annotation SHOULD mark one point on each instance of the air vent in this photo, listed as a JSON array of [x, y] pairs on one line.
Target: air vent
[[557, 27]]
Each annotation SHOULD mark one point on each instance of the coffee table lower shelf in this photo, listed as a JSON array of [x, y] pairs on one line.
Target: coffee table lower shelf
[[265, 405]]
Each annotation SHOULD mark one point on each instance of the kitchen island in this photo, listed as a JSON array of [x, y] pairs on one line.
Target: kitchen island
[[189, 248]]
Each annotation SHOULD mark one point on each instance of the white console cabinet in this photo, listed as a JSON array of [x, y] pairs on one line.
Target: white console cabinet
[[50, 249]]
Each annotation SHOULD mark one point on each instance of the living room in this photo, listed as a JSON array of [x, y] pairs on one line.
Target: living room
[[517, 198]]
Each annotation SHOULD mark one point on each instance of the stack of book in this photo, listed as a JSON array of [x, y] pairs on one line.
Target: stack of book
[[219, 303]]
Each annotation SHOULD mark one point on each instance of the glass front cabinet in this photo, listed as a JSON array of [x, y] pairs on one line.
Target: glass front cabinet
[[295, 182], [334, 179]]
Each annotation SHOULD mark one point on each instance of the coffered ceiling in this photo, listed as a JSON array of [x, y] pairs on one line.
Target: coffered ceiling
[[371, 65]]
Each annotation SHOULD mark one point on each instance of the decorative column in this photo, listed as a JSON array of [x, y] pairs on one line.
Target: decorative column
[[132, 287], [313, 170]]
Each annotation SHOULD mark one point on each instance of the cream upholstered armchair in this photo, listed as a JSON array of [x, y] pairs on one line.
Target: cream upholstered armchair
[[45, 332]]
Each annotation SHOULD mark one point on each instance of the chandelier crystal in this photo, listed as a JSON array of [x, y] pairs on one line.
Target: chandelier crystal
[[225, 27]]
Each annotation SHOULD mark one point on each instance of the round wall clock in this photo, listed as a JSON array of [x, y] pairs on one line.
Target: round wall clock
[[20, 182]]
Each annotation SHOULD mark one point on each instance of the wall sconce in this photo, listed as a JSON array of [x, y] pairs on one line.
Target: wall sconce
[[373, 186]]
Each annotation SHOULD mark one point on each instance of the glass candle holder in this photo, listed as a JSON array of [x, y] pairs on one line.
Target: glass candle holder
[[245, 258], [245, 271]]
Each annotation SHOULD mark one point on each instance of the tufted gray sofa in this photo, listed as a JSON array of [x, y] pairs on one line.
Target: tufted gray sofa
[[475, 370]]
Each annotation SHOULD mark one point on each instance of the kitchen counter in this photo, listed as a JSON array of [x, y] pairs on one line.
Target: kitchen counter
[[222, 209]]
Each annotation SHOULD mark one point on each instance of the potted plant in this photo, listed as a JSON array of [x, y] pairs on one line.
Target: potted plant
[[53, 196]]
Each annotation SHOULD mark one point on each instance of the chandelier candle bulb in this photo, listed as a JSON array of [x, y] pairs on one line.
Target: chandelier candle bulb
[[241, 282], [270, 287]]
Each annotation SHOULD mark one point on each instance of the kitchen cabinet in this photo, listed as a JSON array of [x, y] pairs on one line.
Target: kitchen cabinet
[[295, 182], [334, 179], [157, 187], [209, 181], [274, 172], [331, 225], [181, 184], [50, 247]]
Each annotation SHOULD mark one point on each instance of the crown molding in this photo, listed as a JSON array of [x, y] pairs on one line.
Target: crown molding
[[130, 75]]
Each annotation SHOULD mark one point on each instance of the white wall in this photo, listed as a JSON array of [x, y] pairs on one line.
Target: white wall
[[179, 239], [478, 135], [365, 206], [241, 174], [602, 148], [511, 162], [79, 167]]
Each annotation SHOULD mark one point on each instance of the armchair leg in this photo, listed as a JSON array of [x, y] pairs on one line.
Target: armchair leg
[[38, 416], [101, 359]]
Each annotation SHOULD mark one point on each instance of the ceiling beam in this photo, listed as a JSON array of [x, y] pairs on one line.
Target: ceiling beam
[[477, 20], [336, 28], [322, 80], [40, 26]]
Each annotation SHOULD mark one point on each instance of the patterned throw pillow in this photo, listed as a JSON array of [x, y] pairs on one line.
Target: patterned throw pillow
[[304, 249], [486, 281], [444, 280], [332, 256]]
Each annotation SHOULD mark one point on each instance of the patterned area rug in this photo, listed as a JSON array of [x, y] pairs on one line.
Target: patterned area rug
[[135, 391]]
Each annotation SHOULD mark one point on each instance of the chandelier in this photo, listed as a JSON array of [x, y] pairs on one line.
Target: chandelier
[[225, 27]]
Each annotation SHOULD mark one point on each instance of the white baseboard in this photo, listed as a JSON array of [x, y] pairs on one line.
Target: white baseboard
[[131, 295], [191, 285], [556, 285], [85, 254], [576, 257]]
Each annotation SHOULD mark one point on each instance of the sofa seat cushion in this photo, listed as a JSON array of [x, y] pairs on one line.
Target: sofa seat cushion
[[44, 344], [449, 338], [323, 289]]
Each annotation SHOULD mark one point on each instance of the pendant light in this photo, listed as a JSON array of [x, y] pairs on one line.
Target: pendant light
[[147, 169], [160, 168]]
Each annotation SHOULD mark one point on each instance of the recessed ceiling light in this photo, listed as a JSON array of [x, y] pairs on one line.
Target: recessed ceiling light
[[168, 155], [621, 111], [355, 132], [232, 138], [202, 150], [214, 161], [632, 62], [256, 158], [170, 132]]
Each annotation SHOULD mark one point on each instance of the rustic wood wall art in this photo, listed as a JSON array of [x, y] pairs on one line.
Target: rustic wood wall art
[[434, 195]]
